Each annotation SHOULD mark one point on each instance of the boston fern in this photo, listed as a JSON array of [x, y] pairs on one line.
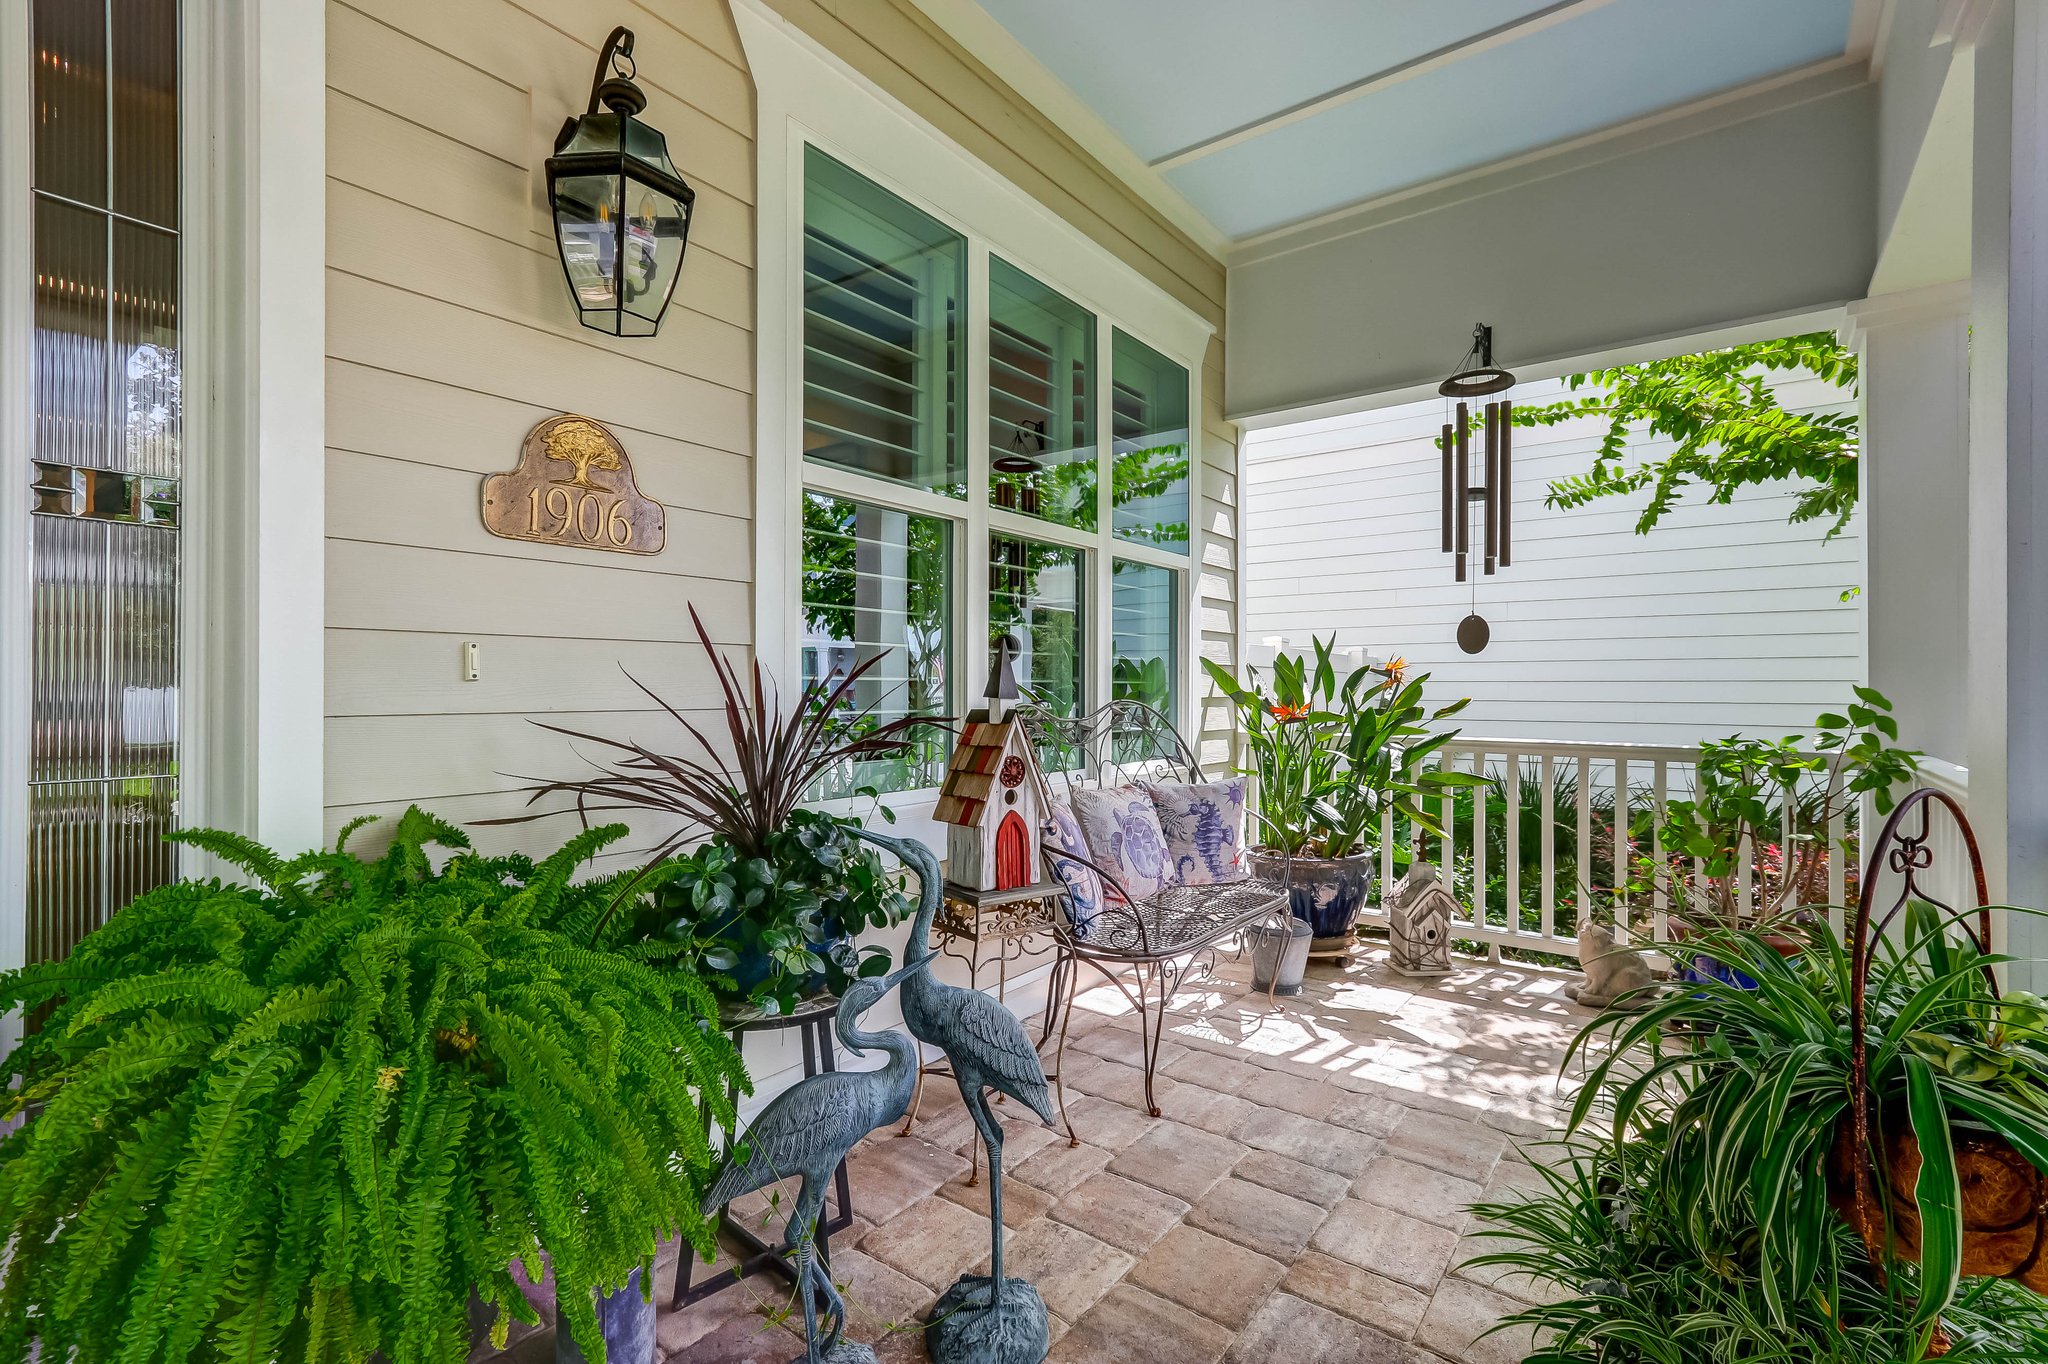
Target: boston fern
[[305, 1119]]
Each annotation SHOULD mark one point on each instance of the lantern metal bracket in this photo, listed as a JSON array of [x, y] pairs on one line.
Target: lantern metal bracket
[[611, 87]]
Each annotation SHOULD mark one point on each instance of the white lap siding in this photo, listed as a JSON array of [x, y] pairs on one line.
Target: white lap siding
[[1721, 619]]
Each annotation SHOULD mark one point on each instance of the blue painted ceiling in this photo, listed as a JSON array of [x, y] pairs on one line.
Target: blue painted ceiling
[[1170, 75]]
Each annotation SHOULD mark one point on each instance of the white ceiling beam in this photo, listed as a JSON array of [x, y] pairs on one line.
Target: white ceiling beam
[[1548, 17]]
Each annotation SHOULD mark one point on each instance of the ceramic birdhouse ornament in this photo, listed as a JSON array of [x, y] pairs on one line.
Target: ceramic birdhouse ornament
[[994, 799], [1419, 924]]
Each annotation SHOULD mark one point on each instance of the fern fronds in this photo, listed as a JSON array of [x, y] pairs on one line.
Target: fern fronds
[[304, 1120]]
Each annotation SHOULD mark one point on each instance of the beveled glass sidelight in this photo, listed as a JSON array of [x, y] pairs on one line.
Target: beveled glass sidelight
[[622, 211], [104, 465]]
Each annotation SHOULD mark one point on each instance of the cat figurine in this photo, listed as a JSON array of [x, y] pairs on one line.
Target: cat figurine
[[1614, 970]]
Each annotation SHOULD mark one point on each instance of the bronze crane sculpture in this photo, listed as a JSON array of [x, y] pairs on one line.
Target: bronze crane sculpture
[[807, 1130], [986, 1319]]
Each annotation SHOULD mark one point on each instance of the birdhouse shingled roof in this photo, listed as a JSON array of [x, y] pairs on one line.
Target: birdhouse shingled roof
[[971, 776]]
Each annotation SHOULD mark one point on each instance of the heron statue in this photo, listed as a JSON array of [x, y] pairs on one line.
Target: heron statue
[[986, 1319], [807, 1130]]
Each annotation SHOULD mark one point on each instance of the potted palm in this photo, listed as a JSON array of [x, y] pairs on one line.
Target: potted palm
[[770, 896], [1331, 756], [321, 1115]]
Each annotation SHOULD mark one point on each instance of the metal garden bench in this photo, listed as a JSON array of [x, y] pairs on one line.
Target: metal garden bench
[[1144, 945]]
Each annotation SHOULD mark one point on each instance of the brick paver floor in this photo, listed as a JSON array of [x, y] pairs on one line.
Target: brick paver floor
[[1301, 1198]]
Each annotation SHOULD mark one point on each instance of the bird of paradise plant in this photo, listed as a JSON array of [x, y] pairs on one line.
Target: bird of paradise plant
[[1331, 755]]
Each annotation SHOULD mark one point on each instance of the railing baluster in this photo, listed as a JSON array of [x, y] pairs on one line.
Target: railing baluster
[[1387, 854], [1618, 863], [1838, 873], [1583, 874], [1546, 912], [1479, 915], [1745, 853], [1511, 826], [1660, 871]]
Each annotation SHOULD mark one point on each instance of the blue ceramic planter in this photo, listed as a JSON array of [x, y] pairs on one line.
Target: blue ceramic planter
[[627, 1320], [1326, 892]]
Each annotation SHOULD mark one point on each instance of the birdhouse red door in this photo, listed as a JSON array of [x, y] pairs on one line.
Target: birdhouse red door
[[1013, 853]]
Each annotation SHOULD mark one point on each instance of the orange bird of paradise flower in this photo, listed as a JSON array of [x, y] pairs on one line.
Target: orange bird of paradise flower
[[1286, 713]]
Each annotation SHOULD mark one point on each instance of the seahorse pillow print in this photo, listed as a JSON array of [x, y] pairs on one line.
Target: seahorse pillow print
[[1203, 826]]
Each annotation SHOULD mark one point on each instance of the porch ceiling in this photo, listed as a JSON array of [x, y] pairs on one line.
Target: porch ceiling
[[1260, 116]]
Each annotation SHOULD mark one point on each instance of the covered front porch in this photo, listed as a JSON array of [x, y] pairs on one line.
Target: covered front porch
[[346, 498], [1303, 1195]]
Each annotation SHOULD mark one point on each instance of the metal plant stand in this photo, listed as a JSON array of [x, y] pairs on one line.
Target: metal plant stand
[[816, 1017]]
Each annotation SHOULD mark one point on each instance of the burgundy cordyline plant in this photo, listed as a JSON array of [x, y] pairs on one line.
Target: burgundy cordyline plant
[[777, 757]]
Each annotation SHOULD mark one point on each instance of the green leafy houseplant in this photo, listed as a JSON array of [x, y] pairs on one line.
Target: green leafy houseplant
[[1737, 1126], [1769, 808], [1628, 1275], [774, 894], [304, 1119], [1332, 755], [780, 925]]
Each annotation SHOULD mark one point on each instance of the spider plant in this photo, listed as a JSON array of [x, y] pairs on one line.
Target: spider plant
[[1743, 1111], [1629, 1274]]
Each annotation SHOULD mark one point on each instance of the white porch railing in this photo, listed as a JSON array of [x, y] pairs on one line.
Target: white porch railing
[[1563, 829]]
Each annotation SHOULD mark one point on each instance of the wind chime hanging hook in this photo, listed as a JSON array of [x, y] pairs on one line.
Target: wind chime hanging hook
[[1494, 491]]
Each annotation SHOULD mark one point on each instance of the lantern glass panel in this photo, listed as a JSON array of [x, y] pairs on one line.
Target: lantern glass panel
[[586, 225], [655, 228]]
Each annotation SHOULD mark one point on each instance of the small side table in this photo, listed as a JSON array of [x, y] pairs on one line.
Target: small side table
[[815, 1016], [1005, 919]]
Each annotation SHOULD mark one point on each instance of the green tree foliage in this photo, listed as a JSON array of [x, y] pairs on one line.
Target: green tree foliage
[[1728, 429], [302, 1119]]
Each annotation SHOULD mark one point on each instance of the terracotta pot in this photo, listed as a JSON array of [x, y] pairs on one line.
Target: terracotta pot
[[2005, 1202]]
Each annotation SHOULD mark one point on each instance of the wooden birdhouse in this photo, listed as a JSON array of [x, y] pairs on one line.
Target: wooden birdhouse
[[994, 798], [1419, 923]]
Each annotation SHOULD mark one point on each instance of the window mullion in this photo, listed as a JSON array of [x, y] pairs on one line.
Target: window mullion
[[971, 611], [830, 478], [1096, 573]]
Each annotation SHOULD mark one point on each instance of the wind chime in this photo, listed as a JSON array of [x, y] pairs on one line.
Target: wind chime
[[1027, 444], [1478, 377]]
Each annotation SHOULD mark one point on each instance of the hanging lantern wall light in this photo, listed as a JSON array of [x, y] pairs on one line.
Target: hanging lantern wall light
[[1478, 377], [621, 209]]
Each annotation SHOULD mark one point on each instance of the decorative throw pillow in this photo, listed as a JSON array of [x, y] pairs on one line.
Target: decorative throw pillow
[[1084, 887], [1124, 838], [1203, 826]]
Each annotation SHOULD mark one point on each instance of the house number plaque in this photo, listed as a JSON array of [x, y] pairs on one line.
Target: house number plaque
[[574, 486]]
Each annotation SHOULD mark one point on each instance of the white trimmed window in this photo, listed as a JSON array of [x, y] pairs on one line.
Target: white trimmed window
[[955, 402]]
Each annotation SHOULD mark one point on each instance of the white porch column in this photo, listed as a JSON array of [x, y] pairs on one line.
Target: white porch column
[[1915, 385], [2008, 684]]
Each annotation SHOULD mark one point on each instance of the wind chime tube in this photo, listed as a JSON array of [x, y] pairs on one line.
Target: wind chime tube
[[1461, 502], [1492, 485], [1506, 477], [1450, 452]]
